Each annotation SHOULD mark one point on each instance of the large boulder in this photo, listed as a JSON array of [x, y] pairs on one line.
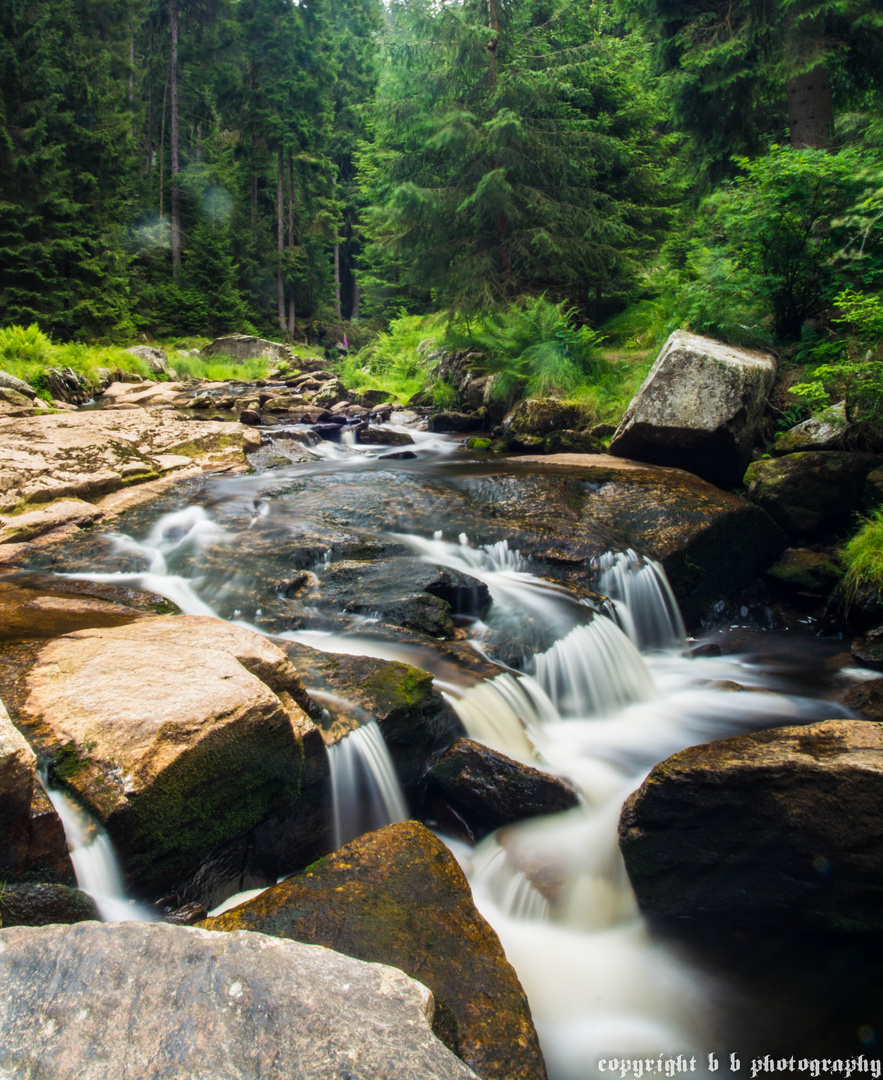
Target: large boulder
[[177, 733], [486, 789], [239, 347], [700, 409], [11, 382], [141, 1001], [537, 417], [397, 896], [782, 827], [810, 492], [155, 358]]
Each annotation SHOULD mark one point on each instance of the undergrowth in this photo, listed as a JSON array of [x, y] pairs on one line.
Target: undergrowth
[[862, 557], [396, 360]]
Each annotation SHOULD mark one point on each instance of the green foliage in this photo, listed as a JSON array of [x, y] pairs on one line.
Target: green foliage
[[853, 361], [533, 347], [396, 360], [27, 352], [863, 558]]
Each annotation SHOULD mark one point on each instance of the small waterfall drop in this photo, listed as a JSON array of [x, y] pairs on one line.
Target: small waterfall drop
[[643, 604], [365, 791], [95, 863]]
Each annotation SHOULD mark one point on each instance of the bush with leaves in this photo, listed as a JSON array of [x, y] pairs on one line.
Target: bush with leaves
[[534, 347]]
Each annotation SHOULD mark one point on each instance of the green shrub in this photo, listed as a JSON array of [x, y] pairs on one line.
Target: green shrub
[[863, 558], [396, 360]]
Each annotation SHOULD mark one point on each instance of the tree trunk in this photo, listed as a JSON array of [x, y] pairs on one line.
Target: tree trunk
[[291, 311], [810, 109], [175, 163], [280, 238], [162, 147], [502, 224], [337, 280], [355, 314]]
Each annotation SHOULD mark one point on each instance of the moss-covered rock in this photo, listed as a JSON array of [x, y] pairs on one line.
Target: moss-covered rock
[[398, 897], [809, 492], [804, 572], [827, 431], [541, 416], [40, 904]]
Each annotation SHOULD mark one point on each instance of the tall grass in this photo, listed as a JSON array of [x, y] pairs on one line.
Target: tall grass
[[218, 369], [396, 360], [863, 558]]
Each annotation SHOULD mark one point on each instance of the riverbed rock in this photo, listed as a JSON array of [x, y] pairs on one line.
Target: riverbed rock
[[810, 492], [781, 827], [397, 896], [452, 421], [155, 358], [84, 455], [700, 409], [32, 838], [239, 347], [868, 647], [11, 382], [372, 435], [540, 417], [414, 718], [41, 903], [28, 613], [176, 732], [826, 431], [866, 700], [225, 1007], [487, 789], [806, 573]]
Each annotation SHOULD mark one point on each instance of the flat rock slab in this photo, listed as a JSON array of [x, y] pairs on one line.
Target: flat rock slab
[[136, 1001], [83, 455], [700, 408], [782, 827], [397, 896]]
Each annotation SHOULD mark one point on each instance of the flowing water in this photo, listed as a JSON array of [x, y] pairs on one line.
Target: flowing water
[[593, 692]]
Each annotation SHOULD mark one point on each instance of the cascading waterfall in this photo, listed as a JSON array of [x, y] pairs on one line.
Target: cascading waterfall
[[644, 605], [365, 791], [95, 863]]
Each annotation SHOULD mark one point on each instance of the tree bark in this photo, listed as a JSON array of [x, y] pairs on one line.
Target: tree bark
[[175, 163], [808, 90], [280, 238], [162, 147], [337, 280], [355, 314]]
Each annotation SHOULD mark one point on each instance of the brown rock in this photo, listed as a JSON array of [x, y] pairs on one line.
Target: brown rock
[[26, 614], [40, 904], [866, 699], [176, 732], [397, 896], [783, 827]]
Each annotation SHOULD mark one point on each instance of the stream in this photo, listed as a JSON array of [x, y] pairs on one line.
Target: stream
[[594, 694]]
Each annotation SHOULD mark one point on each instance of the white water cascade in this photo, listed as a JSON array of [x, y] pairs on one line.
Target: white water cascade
[[644, 605], [365, 791], [95, 863]]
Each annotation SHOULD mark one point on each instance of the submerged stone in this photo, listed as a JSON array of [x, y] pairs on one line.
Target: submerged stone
[[397, 896], [225, 1007], [782, 827]]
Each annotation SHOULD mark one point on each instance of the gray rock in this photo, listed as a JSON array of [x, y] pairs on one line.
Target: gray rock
[[783, 827], [239, 347], [155, 358], [41, 904], [699, 409], [136, 1001], [10, 382], [826, 431]]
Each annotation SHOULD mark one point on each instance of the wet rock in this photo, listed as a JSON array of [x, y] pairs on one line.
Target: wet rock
[[455, 421], [478, 443], [398, 455], [39, 904], [250, 416], [66, 385], [245, 1006], [397, 896], [383, 436], [700, 409], [782, 827], [28, 613], [187, 915], [809, 492], [866, 699], [488, 789], [31, 834], [868, 649], [413, 717], [195, 738], [826, 431], [239, 347], [479, 393], [332, 391], [804, 572]]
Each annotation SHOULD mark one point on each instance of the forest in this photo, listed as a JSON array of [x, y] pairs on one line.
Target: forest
[[518, 171]]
